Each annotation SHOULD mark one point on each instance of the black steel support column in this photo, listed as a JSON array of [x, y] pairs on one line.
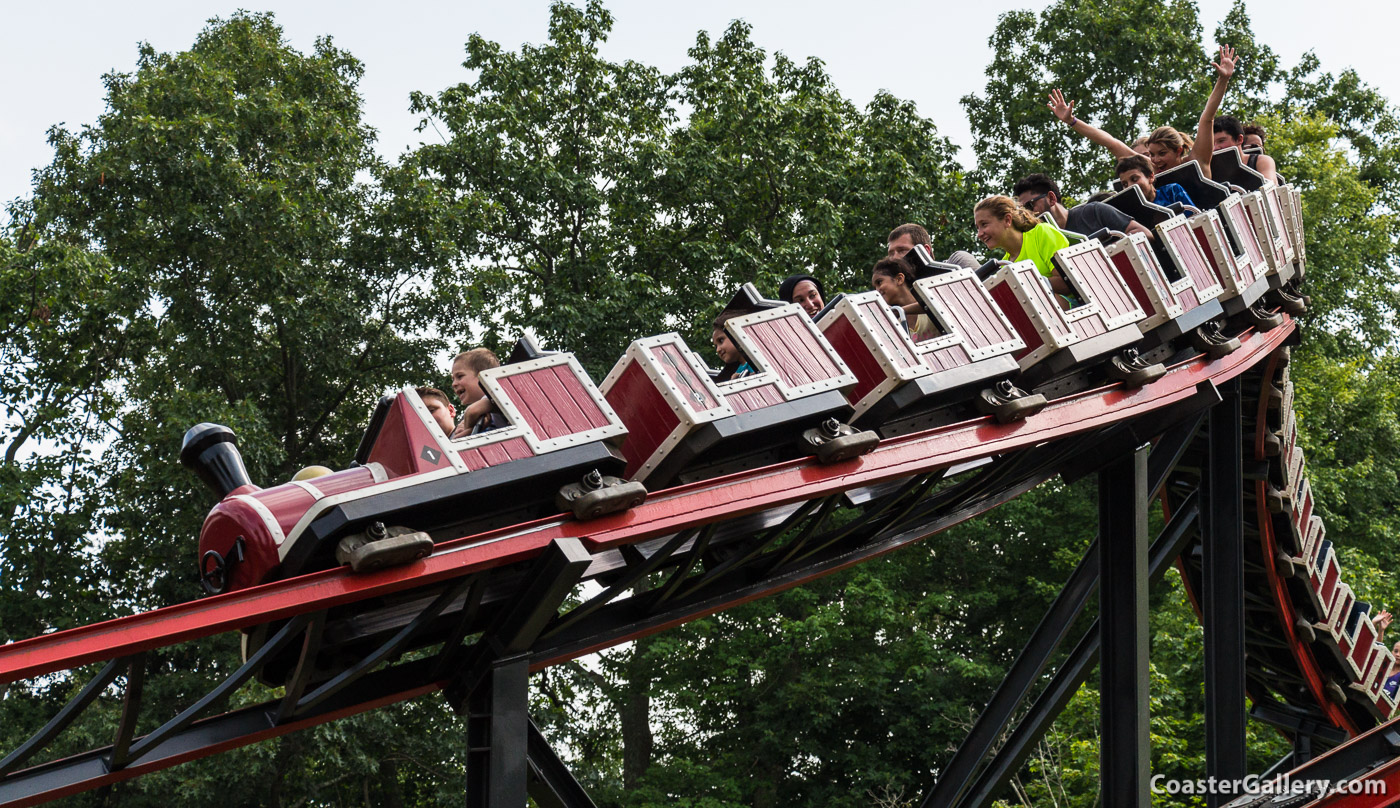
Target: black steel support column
[[498, 726], [1222, 571], [1124, 755], [493, 683]]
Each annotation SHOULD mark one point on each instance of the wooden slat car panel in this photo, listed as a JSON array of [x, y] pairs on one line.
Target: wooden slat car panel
[[554, 400], [662, 392], [1090, 271], [783, 345], [1180, 244], [1138, 267], [1234, 275], [974, 328], [1025, 298]]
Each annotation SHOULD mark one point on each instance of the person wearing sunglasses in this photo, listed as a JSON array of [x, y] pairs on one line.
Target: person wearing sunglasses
[[1039, 194]]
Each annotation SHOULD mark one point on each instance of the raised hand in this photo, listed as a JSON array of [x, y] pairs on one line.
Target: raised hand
[[1228, 62], [1060, 109]]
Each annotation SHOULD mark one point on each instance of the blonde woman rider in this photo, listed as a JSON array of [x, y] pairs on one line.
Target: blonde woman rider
[[1002, 224], [1166, 147]]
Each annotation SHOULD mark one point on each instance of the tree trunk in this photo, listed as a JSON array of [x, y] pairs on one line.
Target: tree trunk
[[635, 713]]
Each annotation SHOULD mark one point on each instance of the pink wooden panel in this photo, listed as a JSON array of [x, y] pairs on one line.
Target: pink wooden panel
[[573, 403], [496, 453], [858, 356], [581, 395], [473, 459], [1187, 298], [1229, 269], [754, 399], [517, 448], [1093, 270], [948, 358], [1302, 510], [1330, 573], [799, 344], [1276, 213], [1090, 326], [1155, 267], [1342, 608], [1196, 267], [1246, 234], [553, 403], [900, 354], [672, 361], [1362, 645], [1034, 285], [973, 318], [955, 302], [643, 410], [534, 406], [798, 358], [775, 346], [1129, 275], [1005, 296], [820, 363]]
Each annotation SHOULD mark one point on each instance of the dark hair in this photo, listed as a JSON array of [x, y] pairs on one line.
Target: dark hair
[[727, 315], [789, 287], [1253, 128], [429, 392], [1230, 126], [1099, 196], [892, 267], [914, 231], [1137, 161], [478, 359], [1002, 206], [1036, 184]]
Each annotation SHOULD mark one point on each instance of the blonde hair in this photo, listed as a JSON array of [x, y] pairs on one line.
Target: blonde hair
[[1172, 139], [1003, 206]]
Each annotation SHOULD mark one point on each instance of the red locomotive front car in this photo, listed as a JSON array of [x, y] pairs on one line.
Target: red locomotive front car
[[412, 485]]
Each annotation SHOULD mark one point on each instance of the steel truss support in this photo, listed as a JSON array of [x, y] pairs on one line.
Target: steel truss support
[[551, 784], [956, 778], [493, 685], [1124, 748], [1222, 573]]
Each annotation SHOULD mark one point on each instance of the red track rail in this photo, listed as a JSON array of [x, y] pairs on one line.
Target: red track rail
[[671, 511]]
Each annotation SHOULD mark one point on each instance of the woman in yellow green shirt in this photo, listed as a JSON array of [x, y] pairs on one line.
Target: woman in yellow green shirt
[[1002, 224]]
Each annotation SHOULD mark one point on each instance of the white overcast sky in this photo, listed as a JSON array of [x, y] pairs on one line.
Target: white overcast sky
[[53, 54]]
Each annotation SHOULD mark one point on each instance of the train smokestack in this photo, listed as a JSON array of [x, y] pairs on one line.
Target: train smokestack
[[211, 451]]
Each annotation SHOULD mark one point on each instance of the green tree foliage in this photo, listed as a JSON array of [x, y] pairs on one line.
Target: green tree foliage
[[204, 251], [582, 208], [545, 168], [1130, 66]]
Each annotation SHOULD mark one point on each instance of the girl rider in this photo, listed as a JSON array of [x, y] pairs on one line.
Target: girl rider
[[1166, 147]]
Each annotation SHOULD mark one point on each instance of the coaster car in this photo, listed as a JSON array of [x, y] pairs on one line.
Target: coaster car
[[1273, 214], [411, 485], [685, 426], [1099, 323], [901, 384]]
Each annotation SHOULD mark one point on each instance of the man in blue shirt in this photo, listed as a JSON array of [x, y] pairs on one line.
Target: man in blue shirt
[[1137, 170]]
